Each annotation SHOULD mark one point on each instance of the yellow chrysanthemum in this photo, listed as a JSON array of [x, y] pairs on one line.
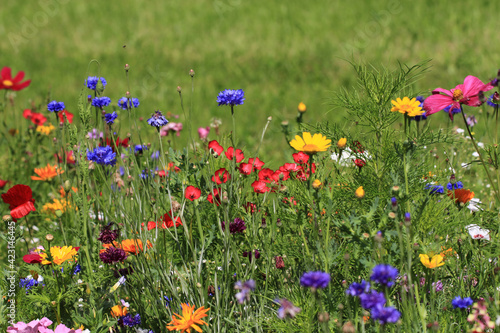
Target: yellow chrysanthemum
[[411, 107], [47, 173], [436, 261], [61, 205], [59, 254], [45, 129], [190, 319], [310, 144]]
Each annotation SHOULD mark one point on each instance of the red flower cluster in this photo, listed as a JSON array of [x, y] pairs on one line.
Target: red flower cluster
[[36, 118], [168, 222]]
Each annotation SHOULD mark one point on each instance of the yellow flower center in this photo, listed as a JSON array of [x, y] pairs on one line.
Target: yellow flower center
[[458, 95], [310, 148], [7, 83]]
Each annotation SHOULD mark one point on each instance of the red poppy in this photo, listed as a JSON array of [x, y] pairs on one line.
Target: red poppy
[[359, 163], [290, 167], [245, 169], [192, 193], [27, 113], [279, 175], [65, 114], [119, 143], [36, 118], [32, 258], [257, 164], [7, 82], [215, 197], [162, 173], [221, 176], [239, 154], [168, 221], [70, 158], [300, 157], [266, 175], [216, 147], [260, 187], [3, 183], [20, 199]]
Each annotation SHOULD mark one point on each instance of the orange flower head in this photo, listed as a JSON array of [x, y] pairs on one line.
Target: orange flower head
[[131, 246], [436, 261], [118, 311], [461, 195], [59, 254], [47, 173], [190, 319]]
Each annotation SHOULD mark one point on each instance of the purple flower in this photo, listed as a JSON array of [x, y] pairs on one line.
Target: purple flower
[[55, 106], [471, 121], [92, 81], [438, 286], [385, 315], [372, 299], [231, 97], [435, 189], [95, 134], [356, 289], [124, 102], [287, 308], [245, 289], [450, 186], [112, 255], [462, 303], [110, 117], [101, 102], [237, 226], [157, 119], [130, 321], [107, 236], [102, 155], [382, 274], [315, 279]]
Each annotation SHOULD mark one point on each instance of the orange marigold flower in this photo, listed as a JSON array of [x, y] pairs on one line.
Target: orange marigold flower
[[190, 319], [461, 195], [60, 254], [118, 311], [47, 173], [131, 246]]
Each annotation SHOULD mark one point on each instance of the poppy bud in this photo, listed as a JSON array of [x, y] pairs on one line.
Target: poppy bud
[[191, 73], [179, 89], [127, 67], [127, 94]]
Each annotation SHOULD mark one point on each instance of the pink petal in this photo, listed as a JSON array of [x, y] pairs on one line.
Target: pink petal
[[61, 328], [472, 86], [444, 91], [436, 103]]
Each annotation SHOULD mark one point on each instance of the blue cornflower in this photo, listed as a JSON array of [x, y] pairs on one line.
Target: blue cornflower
[[145, 173], [422, 116], [453, 111], [102, 155], [489, 101], [110, 118], [91, 82], [455, 186], [167, 301], [78, 269], [122, 102], [435, 189], [383, 274], [140, 148], [27, 284], [356, 289], [462, 303], [55, 106], [231, 97], [245, 289], [315, 279], [155, 155], [130, 321], [121, 170], [157, 119], [101, 102], [385, 315], [371, 299]]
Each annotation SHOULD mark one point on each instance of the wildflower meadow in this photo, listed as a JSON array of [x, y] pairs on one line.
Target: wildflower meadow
[[111, 226]]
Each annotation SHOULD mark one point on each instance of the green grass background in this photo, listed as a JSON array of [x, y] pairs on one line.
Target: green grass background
[[279, 52]]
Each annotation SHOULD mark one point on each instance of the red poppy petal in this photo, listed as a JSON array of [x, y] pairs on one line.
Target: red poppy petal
[[23, 210], [32, 259], [17, 195]]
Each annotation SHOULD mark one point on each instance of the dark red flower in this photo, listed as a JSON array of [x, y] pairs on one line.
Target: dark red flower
[[216, 147], [356, 146], [280, 176], [192, 193], [280, 263], [215, 197], [239, 154], [3, 183], [245, 169], [300, 157], [68, 115], [119, 143], [359, 163], [32, 258], [256, 163], [260, 187], [221, 176], [20, 199], [7, 82]]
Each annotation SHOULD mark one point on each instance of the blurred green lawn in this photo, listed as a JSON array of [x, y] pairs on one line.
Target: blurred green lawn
[[280, 53]]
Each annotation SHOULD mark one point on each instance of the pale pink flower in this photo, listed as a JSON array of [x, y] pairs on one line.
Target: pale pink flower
[[466, 93], [203, 132], [174, 127], [34, 326]]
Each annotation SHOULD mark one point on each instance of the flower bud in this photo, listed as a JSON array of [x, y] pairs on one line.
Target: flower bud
[[407, 219], [67, 186], [323, 317], [302, 107], [341, 143], [49, 237], [191, 73], [179, 89], [127, 67], [360, 193], [127, 94], [348, 328], [496, 97], [58, 213], [7, 218], [316, 184]]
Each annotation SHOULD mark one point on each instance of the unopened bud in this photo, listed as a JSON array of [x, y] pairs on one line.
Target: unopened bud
[[49, 237], [198, 285], [394, 203], [392, 215], [179, 89], [127, 67], [191, 73], [496, 97], [58, 213], [127, 94], [378, 237], [348, 328], [67, 186], [341, 143], [407, 219], [302, 107], [323, 317], [7, 218]]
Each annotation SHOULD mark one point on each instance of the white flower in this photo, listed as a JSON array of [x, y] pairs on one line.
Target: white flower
[[480, 144], [475, 154], [465, 165], [348, 156], [125, 304], [79, 281], [460, 130], [476, 232], [474, 205]]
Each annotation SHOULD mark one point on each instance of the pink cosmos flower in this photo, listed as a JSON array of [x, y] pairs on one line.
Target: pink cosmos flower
[[34, 326], [174, 127], [466, 93], [203, 132]]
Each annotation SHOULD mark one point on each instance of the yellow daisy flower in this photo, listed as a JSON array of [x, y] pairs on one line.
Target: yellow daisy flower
[[310, 144], [45, 129], [411, 107], [59, 254], [436, 261], [190, 319]]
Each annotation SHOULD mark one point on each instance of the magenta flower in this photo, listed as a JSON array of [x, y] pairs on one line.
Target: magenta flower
[[32, 327], [203, 132], [466, 93]]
